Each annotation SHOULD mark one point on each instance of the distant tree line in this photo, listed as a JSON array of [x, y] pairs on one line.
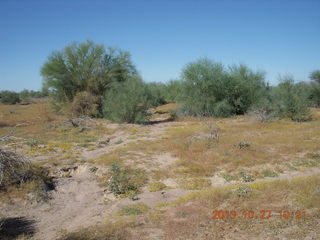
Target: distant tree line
[[87, 79], [12, 97]]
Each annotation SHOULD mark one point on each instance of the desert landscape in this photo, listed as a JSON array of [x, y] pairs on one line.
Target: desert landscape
[[182, 170], [159, 120]]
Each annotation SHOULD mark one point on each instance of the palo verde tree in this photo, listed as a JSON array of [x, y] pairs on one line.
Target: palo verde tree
[[127, 101], [84, 67], [291, 100], [210, 89], [315, 91]]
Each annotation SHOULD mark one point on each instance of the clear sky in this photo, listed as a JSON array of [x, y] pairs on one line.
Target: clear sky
[[277, 36]]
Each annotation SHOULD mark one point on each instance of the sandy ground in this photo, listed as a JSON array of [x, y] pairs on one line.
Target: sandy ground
[[80, 201]]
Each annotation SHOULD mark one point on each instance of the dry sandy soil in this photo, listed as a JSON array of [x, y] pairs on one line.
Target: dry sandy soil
[[81, 200]]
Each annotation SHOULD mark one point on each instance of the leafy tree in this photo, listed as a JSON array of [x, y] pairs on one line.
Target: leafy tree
[[315, 76], [84, 67], [291, 100], [211, 90], [246, 87], [127, 101], [9, 97], [156, 93], [315, 91], [26, 94], [172, 91]]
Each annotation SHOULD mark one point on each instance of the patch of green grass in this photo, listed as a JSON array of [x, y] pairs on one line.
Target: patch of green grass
[[246, 177], [134, 209], [119, 142], [194, 183], [126, 181], [229, 177], [269, 173], [312, 161], [107, 159], [244, 192], [85, 145], [32, 143], [157, 186]]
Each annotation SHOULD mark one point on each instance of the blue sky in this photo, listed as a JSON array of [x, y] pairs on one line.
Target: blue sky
[[277, 36]]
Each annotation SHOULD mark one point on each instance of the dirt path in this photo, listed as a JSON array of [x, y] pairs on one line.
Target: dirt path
[[122, 138]]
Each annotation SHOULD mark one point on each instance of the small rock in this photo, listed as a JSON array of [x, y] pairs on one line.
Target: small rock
[[93, 169], [242, 145]]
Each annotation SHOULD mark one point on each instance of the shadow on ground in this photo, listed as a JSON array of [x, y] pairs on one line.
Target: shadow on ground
[[11, 228]]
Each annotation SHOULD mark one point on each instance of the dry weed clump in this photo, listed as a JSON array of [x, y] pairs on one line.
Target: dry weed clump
[[14, 169], [85, 104], [110, 231], [19, 178]]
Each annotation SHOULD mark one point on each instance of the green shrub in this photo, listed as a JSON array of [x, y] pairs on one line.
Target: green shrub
[[173, 90], [126, 102], [229, 177], [246, 177], [9, 97], [27, 94], [291, 101], [156, 93], [211, 90], [32, 143], [265, 109], [315, 88], [244, 192], [269, 173], [125, 181]]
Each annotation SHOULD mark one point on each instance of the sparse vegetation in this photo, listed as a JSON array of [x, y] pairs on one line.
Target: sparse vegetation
[[14, 169], [111, 231], [269, 173], [19, 177], [125, 181], [246, 177], [134, 209], [194, 183], [157, 186]]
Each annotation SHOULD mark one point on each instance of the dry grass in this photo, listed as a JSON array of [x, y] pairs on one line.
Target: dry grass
[[111, 231], [194, 183], [190, 216], [285, 145], [36, 121], [157, 186], [274, 147], [167, 108], [134, 209]]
